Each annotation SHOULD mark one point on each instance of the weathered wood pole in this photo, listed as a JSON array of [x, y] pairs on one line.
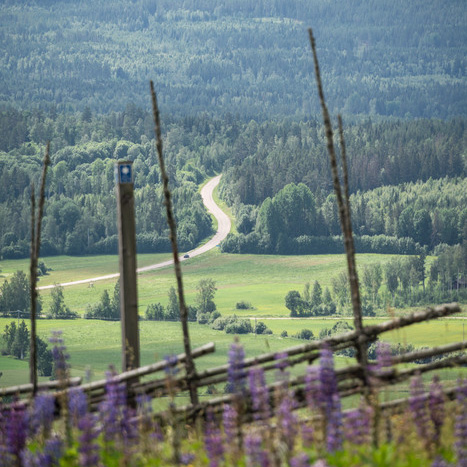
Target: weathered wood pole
[[127, 263]]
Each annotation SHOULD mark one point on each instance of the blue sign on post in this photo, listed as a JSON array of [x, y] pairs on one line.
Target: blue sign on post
[[125, 174]]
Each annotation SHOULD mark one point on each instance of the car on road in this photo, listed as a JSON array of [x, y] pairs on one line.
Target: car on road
[[186, 256]]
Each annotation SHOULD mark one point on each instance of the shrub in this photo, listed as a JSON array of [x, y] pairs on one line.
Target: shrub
[[306, 334], [239, 326], [284, 334], [243, 305]]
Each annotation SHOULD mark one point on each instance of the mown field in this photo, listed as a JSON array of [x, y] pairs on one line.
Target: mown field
[[261, 280]]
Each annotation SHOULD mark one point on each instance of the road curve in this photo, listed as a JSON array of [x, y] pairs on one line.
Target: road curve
[[223, 228]]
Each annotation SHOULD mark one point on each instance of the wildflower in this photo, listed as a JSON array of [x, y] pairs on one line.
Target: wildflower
[[236, 382], [417, 404], [230, 422], [259, 394], [59, 355], [440, 462], [312, 387], [301, 460], [329, 400], [461, 424], [288, 422], [436, 408], [308, 435], [255, 453], [88, 449], [42, 413], [16, 430], [187, 459], [357, 425], [171, 362], [110, 407], [49, 457], [383, 355], [77, 405], [213, 442]]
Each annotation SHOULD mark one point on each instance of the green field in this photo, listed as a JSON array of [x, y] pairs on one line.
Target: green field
[[260, 279]]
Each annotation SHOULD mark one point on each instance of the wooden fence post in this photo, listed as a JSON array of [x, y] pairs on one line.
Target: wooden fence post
[[127, 263]]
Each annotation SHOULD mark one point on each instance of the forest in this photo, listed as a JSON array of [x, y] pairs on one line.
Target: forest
[[385, 58], [276, 178]]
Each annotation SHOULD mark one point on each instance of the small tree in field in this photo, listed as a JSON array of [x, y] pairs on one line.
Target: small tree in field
[[206, 291], [294, 302], [58, 309]]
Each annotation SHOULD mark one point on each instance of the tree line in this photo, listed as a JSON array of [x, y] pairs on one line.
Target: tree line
[[400, 282], [276, 178]]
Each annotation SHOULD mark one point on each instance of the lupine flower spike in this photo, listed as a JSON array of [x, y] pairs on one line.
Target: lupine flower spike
[[236, 380]]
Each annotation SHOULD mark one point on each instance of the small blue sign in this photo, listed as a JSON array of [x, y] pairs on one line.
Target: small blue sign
[[125, 174]]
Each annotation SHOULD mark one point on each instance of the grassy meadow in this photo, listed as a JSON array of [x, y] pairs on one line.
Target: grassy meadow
[[260, 279]]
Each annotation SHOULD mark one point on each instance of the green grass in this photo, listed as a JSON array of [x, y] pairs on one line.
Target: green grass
[[432, 333], [263, 280], [260, 279], [96, 344]]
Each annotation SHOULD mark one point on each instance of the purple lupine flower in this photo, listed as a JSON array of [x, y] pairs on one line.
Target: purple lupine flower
[[288, 422], [357, 425], [383, 355], [213, 442], [110, 407], [236, 377], [187, 459], [49, 457], [300, 460], [329, 400], [88, 448], [53, 451], [77, 405], [436, 408], [59, 354], [418, 407], [308, 435], [259, 394], [334, 425], [6, 459], [16, 430], [312, 387], [440, 462], [461, 424], [256, 455], [42, 415], [230, 422], [171, 362]]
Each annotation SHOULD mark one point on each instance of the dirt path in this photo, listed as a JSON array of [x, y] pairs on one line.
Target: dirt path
[[223, 228]]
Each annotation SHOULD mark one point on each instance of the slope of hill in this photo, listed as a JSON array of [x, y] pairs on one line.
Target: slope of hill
[[386, 57]]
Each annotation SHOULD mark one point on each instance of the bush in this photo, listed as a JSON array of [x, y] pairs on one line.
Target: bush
[[239, 326], [261, 328], [243, 305], [306, 334], [284, 334]]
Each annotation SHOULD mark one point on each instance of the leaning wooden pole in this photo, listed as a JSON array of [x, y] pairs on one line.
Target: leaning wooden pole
[[344, 215], [189, 364], [35, 250]]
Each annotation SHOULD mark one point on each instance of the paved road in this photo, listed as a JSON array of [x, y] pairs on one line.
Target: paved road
[[223, 228]]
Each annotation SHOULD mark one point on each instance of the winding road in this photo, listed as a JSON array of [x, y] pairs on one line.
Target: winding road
[[223, 228]]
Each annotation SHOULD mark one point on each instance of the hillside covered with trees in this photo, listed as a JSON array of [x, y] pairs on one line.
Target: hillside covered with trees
[[251, 58]]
